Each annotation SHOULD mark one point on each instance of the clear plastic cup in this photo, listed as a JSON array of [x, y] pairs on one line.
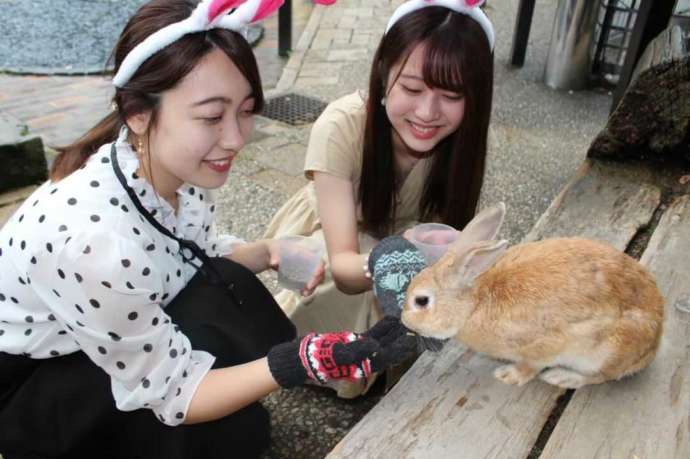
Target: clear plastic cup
[[299, 259], [433, 240]]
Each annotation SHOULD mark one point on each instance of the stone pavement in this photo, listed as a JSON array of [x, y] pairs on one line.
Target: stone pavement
[[540, 137]]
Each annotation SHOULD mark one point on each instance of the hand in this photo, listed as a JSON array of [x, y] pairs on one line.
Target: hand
[[397, 343], [273, 250], [322, 357]]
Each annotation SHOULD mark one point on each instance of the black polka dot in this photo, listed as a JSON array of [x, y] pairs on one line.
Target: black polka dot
[[54, 353], [146, 272], [178, 273], [33, 260], [165, 296], [57, 294], [133, 316], [148, 348], [126, 263], [62, 332], [192, 191], [95, 303], [129, 285], [184, 374], [154, 322], [124, 208], [179, 415], [179, 391], [213, 208], [35, 202], [114, 336], [95, 218], [145, 383], [154, 212], [72, 201], [167, 278], [23, 245], [21, 217], [120, 365], [78, 277], [14, 300], [114, 201], [201, 197], [21, 281], [29, 319], [11, 241], [136, 230], [151, 247], [102, 350], [153, 296], [87, 250], [2, 297], [2, 332], [173, 353], [79, 308], [184, 350], [106, 284], [27, 332], [68, 239], [95, 184], [78, 323], [51, 317], [61, 273], [105, 160], [142, 193], [62, 228], [69, 327], [167, 380], [49, 247]]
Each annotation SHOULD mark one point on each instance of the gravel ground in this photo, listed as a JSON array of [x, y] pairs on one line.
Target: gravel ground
[[64, 36]]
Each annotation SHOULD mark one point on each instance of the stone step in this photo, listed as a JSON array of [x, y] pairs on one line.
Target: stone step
[[21, 154]]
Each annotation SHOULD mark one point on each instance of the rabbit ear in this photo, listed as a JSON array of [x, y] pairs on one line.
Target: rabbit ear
[[479, 258], [483, 227]]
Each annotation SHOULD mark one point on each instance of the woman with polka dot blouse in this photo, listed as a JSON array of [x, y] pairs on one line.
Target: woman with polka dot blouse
[[128, 326]]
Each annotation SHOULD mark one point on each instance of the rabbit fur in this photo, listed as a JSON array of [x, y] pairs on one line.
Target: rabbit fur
[[572, 311]]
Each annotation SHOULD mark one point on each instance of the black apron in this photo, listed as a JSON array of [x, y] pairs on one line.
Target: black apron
[[63, 406]]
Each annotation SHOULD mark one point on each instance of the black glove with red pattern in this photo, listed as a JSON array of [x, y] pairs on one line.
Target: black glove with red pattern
[[322, 357]]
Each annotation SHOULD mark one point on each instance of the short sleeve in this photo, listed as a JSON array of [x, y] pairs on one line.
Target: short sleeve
[[105, 290], [335, 141]]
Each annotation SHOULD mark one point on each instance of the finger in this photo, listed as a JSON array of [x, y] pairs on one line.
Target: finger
[[354, 352]]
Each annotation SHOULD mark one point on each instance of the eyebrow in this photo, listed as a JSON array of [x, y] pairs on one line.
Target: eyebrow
[[407, 75], [221, 99]]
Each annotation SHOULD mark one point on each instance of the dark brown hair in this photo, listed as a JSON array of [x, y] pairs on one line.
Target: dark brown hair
[[158, 73], [458, 58]]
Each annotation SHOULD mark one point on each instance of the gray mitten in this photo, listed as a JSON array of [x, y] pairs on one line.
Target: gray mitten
[[392, 264]]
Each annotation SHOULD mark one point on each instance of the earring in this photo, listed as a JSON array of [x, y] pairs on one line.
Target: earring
[[383, 101], [140, 147]]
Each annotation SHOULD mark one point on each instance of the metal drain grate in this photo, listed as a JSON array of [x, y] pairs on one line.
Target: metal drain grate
[[293, 109]]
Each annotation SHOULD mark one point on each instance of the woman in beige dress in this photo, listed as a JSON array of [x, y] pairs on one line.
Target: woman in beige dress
[[412, 150]]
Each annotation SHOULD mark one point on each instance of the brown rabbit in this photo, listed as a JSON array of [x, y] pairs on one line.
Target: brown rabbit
[[578, 309]]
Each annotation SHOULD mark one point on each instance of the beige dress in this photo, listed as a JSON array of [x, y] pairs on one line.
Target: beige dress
[[335, 147]]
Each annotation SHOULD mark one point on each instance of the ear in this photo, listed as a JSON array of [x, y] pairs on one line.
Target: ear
[[478, 259], [139, 123], [483, 227]]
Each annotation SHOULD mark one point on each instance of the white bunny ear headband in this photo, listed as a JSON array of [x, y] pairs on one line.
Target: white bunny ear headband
[[467, 7], [209, 14]]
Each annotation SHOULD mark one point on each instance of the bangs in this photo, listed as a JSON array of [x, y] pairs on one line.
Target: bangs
[[442, 66]]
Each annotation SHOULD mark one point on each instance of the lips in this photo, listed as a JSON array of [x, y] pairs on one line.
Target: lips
[[422, 132], [219, 165]]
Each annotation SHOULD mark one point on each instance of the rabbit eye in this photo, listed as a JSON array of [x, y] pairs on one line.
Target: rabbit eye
[[421, 301]]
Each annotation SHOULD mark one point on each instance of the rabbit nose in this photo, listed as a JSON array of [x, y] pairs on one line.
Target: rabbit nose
[[421, 301]]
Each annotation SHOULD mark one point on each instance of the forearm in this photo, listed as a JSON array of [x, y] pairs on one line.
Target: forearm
[[226, 390], [253, 255], [348, 273]]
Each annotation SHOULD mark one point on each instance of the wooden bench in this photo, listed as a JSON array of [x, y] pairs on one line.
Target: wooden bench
[[448, 405]]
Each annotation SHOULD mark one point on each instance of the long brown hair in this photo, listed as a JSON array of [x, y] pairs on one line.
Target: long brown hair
[[160, 72], [458, 58]]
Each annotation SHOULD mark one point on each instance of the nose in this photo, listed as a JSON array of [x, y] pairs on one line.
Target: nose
[[428, 108], [232, 137]]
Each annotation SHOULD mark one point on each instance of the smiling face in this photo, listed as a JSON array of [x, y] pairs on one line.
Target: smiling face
[[421, 116], [202, 124]]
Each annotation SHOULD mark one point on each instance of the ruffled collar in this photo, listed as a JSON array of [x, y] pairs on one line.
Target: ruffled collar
[[192, 200]]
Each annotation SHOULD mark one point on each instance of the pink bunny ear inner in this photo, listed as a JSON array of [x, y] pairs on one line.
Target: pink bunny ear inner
[[221, 6], [325, 2], [266, 8], [473, 3]]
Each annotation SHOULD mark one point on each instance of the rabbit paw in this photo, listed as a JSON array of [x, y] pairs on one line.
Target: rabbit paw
[[564, 378], [517, 374]]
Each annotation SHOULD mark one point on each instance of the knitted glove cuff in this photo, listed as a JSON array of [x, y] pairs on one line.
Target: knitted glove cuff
[[286, 365], [326, 356]]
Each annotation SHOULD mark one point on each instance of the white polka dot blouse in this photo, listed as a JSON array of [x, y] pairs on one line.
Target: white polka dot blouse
[[81, 269]]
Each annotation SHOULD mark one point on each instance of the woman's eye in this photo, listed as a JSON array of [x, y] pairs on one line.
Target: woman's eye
[[454, 96], [212, 119], [411, 90]]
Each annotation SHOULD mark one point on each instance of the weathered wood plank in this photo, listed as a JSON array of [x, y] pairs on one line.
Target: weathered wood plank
[[620, 196], [645, 416], [449, 405]]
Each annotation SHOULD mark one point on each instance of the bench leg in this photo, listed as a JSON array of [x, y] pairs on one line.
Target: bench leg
[[523, 25]]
